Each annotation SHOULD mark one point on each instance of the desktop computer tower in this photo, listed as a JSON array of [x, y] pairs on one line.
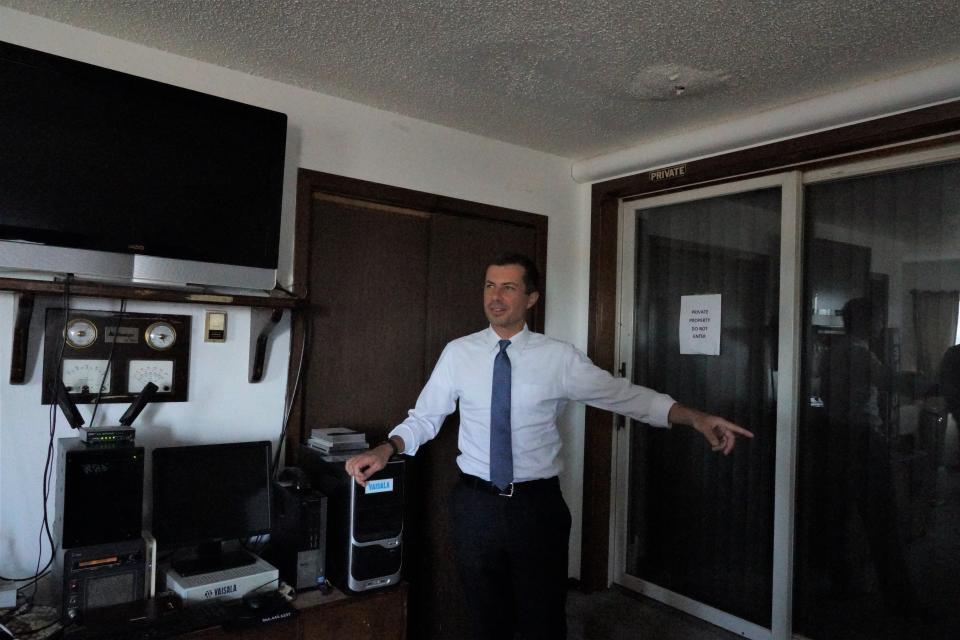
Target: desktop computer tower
[[365, 524], [99, 494], [298, 542]]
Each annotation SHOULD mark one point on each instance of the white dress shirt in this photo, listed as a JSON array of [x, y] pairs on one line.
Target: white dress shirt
[[546, 373]]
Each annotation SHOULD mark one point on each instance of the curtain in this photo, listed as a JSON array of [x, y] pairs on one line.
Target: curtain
[[935, 328]]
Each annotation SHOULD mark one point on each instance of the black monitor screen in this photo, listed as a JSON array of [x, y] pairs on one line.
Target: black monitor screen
[[91, 158], [208, 493]]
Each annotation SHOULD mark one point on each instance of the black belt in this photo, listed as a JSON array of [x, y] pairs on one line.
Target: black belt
[[488, 487]]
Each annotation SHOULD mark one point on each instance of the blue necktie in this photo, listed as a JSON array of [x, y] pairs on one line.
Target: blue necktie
[[501, 449]]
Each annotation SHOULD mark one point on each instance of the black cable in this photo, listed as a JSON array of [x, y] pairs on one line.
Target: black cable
[[28, 579], [255, 589], [106, 372], [48, 464], [293, 396]]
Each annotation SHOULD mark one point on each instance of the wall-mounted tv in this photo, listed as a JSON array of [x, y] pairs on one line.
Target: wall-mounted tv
[[108, 175]]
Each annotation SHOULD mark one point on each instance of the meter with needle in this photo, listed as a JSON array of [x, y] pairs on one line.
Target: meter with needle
[[80, 333], [160, 335]]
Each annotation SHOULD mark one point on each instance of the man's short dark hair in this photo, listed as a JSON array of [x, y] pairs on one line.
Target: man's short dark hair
[[531, 275], [858, 317]]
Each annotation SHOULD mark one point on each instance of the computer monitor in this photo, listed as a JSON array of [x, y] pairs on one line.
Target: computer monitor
[[204, 495]]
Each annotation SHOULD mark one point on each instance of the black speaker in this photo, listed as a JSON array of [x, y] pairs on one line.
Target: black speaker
[[99, 494], [298, 541], [98, 576], [365, 524]]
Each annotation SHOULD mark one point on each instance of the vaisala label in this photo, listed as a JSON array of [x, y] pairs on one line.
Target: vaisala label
[[380, 486], [220, 591]]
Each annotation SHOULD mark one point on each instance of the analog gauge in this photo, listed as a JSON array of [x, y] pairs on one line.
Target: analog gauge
[[161, 335], [81, 333], [85, 376], [159, 372]]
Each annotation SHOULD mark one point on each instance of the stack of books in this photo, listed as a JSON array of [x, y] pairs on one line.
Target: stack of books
[[337, 440]]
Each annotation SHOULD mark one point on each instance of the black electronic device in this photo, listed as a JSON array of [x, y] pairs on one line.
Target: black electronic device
[[298, 542], [261, 608], [365, 524], [99, 576], [111, 175], [157, 618], [109, 357], [99, 494], [204, 495], [123, 434], [116, 436]]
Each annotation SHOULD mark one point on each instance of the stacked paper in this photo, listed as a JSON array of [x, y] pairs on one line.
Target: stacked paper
[[337, 440]]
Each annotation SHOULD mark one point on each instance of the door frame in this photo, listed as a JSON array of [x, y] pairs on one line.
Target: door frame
[[790, 274], [896, 134]]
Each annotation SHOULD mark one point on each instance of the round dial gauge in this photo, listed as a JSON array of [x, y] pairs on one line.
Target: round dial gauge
[[160, 335], [81, 333]]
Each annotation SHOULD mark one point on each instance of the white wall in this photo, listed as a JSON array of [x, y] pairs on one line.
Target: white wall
[[325, 134]]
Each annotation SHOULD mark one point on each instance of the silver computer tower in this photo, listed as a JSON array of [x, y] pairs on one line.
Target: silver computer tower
[[365, 524]]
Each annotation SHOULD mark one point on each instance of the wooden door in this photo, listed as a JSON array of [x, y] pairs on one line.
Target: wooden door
[[391, 276], [368, 281]]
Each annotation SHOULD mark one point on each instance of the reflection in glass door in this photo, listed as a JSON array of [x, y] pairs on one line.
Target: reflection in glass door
[[696, 529], [878, 501]]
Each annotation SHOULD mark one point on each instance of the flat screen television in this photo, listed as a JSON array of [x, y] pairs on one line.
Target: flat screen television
[[204, 495], [108, 175]]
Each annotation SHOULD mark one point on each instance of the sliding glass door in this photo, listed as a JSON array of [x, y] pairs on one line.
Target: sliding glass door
[[701, 306], [878, 526], [820, 310]]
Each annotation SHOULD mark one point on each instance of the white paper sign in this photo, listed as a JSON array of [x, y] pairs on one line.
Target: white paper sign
[[700, 324]]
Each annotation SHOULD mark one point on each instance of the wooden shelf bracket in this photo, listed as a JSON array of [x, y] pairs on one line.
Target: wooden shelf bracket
[[21, 338], [262, 323]]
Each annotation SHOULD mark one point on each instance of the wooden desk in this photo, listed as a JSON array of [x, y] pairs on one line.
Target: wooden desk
[[379, 615]]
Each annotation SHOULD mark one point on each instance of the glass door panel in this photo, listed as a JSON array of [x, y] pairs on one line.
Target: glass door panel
[[698, 525], [878, 501]]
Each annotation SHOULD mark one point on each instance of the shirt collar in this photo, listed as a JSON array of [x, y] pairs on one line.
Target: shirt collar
[[517, 342]]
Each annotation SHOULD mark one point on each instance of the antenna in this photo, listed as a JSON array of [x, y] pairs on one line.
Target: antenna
[[69, 409], [146, 395]]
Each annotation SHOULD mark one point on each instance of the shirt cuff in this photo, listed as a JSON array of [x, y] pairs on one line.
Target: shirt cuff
[[410, 444], [659, 410]]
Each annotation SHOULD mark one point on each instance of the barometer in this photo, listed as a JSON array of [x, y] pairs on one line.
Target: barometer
[[160, 335], [81, 333]]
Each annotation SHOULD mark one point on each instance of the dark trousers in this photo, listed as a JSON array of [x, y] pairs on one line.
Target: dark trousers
[[512, 556], [864, 482]]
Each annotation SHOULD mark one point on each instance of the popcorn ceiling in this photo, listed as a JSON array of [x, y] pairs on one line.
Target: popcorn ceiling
[[571, 78]]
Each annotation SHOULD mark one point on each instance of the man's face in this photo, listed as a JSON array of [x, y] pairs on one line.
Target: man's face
[[505, 298]]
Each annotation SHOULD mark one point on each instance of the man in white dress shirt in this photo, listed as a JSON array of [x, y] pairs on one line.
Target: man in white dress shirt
[[512, 540]]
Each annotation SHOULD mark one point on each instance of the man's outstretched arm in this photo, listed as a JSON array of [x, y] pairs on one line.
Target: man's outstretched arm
[[720, 433]]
